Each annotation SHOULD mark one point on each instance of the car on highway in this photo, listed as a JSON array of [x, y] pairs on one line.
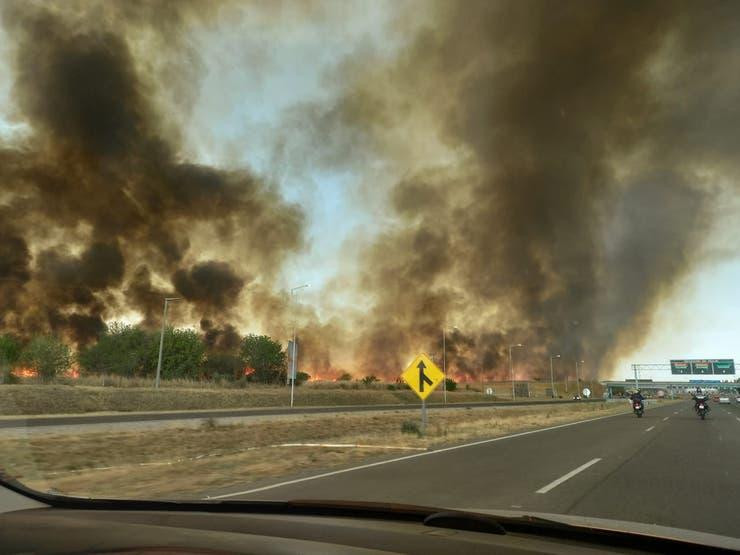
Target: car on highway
[[737, 399], [724, 400]]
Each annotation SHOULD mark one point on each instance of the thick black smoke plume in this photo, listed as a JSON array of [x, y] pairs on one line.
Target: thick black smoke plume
[[100, 211], [583, 143]]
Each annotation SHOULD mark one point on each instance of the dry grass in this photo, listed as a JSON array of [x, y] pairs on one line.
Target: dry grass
[[181, 462], [77, 399], [59, 399]]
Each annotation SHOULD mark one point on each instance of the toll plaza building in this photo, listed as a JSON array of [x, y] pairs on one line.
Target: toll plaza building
[[650, 388]]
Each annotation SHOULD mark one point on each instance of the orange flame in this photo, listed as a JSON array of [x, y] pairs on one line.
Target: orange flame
[[21, 372]]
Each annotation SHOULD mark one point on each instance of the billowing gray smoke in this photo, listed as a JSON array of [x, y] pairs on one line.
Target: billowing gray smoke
[[99, 210], [589, 138]]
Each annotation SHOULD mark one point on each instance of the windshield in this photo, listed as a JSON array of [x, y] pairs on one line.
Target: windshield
[[474, 255]]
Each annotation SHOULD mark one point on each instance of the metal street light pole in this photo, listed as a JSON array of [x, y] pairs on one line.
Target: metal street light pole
[[511, 370], [552, 378], [444, 364], [294, 355], [578, 380], [161, 339], [444, 360]]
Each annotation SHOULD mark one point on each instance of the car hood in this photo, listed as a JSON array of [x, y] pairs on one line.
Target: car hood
[[652, 530]]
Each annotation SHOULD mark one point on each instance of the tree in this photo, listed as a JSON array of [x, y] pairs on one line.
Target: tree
[[265, 357], [48, 355], [122, 350], [183, 354], [345, 377], [223, 365], [10, 350], [301, 377], [450, 384], [367, 380]]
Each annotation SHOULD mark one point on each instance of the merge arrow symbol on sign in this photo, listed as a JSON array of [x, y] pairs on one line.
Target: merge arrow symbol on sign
[[422, 376]]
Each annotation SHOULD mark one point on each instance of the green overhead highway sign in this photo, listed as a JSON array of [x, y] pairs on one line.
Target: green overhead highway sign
[[703, 366]]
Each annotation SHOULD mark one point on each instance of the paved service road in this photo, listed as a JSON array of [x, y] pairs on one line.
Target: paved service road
[[668, 468], [86, 419]]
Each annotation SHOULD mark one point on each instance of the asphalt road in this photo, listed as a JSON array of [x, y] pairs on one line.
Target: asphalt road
[[87, 419], [668, 468]]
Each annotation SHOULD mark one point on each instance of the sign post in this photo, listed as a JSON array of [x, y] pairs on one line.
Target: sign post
[[423, 377]]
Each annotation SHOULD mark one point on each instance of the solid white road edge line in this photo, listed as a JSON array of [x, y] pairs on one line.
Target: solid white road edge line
[[650, 428], [407, 457], [568, 476]]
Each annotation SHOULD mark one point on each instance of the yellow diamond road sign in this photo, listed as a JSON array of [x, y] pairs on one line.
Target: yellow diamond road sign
[[422, 376]]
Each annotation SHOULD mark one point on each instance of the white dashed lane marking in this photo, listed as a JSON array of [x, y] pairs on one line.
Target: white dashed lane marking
[[568, 476]]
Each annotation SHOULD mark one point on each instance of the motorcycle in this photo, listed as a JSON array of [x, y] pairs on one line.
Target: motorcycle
[[638, 408], [702, 409]]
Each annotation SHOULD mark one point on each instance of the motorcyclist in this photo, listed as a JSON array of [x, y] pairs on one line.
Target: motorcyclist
[[637, 397], [699, 397]]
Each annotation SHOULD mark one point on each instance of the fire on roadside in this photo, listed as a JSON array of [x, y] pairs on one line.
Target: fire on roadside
[[23, 372], [26, 372]]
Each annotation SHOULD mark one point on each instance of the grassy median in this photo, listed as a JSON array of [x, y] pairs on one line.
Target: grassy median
[[59, 399], [32, 399], [182, 462]]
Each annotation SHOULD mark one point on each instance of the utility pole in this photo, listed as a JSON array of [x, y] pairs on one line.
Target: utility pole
[[511, 370], [634, 369], [552, 378], [444, 364], [294, 357], [444, 359], [161, 339]]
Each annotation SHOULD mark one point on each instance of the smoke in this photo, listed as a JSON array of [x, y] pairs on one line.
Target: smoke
[[539, 174], [577, 184], [104, 209], [211, 284], [224, 340]]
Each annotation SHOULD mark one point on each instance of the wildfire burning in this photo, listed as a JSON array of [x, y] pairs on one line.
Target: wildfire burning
[[522, 197], [25, 372]]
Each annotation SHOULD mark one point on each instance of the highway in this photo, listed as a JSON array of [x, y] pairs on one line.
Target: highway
[[24, 422], [668, 468]]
